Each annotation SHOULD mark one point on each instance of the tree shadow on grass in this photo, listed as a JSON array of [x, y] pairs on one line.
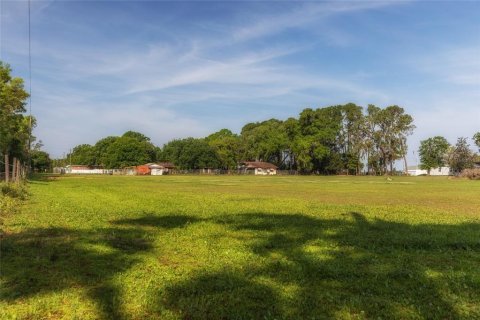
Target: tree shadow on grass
[[151, 220], [341, 268], [302, 268], [39, 261], [222, 295], [43, 178]]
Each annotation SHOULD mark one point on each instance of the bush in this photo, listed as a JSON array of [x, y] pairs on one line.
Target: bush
[[11, 190], [472, 174], [11, 196], [8, 206]]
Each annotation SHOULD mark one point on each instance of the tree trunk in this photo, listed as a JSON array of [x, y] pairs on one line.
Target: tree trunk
[[405, 163], [19, 171], [368, 162], [14, 169], [7, 168]]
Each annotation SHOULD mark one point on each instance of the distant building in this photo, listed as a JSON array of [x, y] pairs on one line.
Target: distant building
[[59, 170], [154, 169], [416, 171], [162, 168], [206, 171], [83, 169], [130, 171], [259, 167], [476, 162]]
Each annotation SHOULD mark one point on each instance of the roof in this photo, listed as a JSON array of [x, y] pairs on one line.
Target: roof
[[166, 165], [85, 166], [259, 164], [159, 165]]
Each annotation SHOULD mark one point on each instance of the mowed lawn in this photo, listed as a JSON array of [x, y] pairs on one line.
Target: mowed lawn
[[243, 247]]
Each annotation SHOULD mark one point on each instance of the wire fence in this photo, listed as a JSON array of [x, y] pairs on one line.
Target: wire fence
[[174, 172]]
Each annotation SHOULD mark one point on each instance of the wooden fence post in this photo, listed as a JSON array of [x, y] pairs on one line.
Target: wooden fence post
[[7, 168]]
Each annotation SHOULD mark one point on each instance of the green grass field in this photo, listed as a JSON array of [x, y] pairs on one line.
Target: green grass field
[[243, 247]]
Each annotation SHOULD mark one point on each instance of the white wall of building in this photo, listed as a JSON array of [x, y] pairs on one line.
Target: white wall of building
[[84, 171], [442, 171], [265, 172], [158, 171]]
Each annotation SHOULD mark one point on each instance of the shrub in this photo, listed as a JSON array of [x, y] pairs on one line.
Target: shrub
[[8, 205], [13, 190], [472, 174], [11, 196]]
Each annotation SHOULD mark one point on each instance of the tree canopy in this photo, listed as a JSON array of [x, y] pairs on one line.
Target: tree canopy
[[132, 148], [15, 127], [330, 140], [476, 139], [227, 146], [191, 153], [459, 156], [433, 153]]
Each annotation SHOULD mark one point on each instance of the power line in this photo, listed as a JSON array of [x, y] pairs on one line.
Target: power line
[[30, 62], [1, 29], [30, 83]]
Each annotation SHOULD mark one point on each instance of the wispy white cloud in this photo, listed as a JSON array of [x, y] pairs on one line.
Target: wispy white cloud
[[303, 16], [460, 66], [160, 67], [60, 129], [156, 78], [160, 87]]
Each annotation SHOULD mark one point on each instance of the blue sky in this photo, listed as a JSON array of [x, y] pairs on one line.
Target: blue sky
[[178, 69]]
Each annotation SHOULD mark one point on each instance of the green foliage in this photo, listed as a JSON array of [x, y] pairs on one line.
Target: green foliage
[[13, 190], [331, 140], [101, 150], [476, 139], [264, 141], [11, 197], [40, 161], [243, 247], [337, 138], [352, 137], [83, 154], [460, 157], [129, 151], [227, 147], [191, 153], [136, 135], [387, 130], [320, 129], [433, 153], [8, 206], [14, 126]]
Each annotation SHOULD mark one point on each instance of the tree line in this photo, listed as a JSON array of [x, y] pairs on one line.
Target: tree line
[[15, 126], [345, 139], [436, 152]]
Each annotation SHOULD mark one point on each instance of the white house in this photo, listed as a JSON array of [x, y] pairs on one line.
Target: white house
[[154, 169], [260, 168], [83, 169], [160, 169], [441, 171]]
